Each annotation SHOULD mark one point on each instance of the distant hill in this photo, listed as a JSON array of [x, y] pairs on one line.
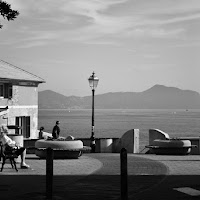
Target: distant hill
[[157, 97]]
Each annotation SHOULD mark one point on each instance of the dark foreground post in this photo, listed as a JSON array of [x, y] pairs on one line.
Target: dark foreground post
[[49, 173], [124, 180]]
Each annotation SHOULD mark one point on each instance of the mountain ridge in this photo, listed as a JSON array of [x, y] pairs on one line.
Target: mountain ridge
[[156, 97]]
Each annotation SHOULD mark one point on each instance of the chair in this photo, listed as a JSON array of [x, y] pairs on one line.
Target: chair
[[8, 154]]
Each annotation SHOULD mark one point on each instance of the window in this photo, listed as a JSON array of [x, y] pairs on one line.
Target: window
[[6, 90], [24, 123]]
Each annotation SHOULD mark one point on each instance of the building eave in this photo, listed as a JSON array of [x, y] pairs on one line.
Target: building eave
[[12, 72]]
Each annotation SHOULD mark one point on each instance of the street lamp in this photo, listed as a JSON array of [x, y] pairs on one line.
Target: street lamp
[[93, 82]]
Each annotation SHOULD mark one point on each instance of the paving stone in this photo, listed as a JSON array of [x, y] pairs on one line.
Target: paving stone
[[97, 176]]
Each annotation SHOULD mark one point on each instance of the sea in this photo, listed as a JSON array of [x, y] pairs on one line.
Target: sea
[[113, 123]]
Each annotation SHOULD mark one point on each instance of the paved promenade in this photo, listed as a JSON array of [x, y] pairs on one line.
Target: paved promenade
[[97, 176]]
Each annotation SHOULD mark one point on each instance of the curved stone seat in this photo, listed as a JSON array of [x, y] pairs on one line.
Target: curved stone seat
[[155, 134], [62, 149], [171, 147]]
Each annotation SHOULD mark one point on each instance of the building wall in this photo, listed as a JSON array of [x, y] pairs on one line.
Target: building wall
[[25, 95], [24, 102]]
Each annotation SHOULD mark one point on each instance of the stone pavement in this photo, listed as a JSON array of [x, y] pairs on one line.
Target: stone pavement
[[97, 176], [182, 181]]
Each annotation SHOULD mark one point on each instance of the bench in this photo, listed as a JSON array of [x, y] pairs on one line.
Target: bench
[[8, 154]]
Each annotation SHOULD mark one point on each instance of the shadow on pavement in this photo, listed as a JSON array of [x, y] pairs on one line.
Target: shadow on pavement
[[92, 187], [166, 189]]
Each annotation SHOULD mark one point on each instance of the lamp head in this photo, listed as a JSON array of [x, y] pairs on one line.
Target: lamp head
[[93, 81]]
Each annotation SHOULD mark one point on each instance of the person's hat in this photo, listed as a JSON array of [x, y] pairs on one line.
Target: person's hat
[[57, 122]]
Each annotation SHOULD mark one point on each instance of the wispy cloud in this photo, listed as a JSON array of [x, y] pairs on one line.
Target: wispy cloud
[[151, 56], [155, 32], [92, 21], [173, 19], [31, 44]]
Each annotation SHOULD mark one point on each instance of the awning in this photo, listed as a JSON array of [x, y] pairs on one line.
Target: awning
[[3, 110], [14, 127]]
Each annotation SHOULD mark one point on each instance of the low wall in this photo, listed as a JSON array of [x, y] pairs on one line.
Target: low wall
[[29, 144], [130, 141], [103, 145]]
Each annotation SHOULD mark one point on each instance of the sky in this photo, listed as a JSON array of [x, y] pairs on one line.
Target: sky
[[131, 45]]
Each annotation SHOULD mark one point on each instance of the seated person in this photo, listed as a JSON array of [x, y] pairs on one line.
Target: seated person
[[69, 138], [8, 142], [41, 136]]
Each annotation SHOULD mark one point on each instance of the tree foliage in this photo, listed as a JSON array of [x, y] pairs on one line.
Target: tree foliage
[[7, 12]]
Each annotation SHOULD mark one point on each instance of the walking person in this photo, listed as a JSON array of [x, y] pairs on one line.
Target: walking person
[[56, 130]]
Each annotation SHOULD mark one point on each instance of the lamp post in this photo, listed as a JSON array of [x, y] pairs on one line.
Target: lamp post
[[93, 82]]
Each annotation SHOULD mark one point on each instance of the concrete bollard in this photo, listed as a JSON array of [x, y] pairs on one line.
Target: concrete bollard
[[124, 174], [49, 173], [130, 141]]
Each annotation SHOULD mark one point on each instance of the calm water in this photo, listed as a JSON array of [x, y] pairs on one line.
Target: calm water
[[114, 123]]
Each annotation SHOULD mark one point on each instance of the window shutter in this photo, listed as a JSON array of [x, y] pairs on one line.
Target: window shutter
[[6, 85], [28, 127], [1, 90], [10, 91]]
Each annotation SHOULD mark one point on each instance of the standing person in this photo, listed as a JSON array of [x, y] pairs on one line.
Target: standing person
[[9, 143], [56, 130]]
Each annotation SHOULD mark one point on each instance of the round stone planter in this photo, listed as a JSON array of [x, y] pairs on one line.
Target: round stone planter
[[59, 153], [62, 149], [171, 147]]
